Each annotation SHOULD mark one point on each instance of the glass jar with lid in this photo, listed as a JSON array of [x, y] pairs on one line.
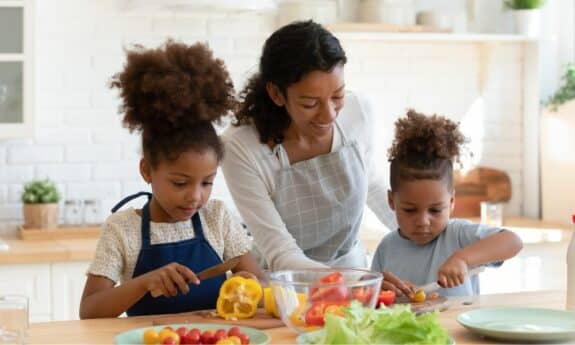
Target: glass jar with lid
[[92, 212], [73, 212]]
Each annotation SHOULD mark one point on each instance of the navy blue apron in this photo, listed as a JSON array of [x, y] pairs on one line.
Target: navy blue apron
[[196, 253]]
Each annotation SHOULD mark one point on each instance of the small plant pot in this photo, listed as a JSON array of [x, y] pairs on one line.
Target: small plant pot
[[528, 22], [40, 216]]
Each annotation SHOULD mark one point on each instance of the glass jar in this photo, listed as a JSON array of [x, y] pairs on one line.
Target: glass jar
[[73, 212], [92, 212]]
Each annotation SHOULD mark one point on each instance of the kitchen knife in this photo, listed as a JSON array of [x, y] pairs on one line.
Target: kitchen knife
[[427, 288], [210, 272]]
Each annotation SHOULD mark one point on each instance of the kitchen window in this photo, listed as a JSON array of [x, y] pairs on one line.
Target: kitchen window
[[15, 68]]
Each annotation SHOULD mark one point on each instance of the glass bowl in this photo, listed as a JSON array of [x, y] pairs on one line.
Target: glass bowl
[[303, 297]]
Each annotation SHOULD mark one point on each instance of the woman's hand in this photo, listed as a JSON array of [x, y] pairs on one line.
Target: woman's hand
[[453, 272], [168, 279], [401, 287]]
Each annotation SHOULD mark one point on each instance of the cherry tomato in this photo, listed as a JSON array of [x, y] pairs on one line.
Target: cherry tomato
[[170, 341], [182, 331], [192, 338], [219, 335], [235, 330], [151, 336], [234, 339], [168, 333], [314, 315], [207, 337], [335, 294], [244, 338], [419, 296], [386, 297]]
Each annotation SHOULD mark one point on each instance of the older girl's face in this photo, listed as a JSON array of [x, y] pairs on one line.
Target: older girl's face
[[314, 102], [422, 208]]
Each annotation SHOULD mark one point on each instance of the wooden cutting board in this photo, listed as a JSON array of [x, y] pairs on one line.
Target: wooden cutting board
[[439, 303], [477, 185], [260, 321]]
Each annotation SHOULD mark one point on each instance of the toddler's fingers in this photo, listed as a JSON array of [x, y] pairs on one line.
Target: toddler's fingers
[[388, 286], [399, 284]]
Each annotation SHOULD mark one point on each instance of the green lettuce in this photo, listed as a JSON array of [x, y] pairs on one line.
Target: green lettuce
[[395, 325]]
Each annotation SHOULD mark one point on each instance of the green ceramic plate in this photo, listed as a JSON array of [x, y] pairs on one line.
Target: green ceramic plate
[[315, 337], [135, 336], [520, 324]]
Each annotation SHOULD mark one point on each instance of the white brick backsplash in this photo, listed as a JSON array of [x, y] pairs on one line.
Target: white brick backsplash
[[3, 194], [92, 153], [10, 212], [16, 173], [36, 154], [117, 171], [110, 26], [251, 46], [2, 155], [49, 118], [64, 172], [190, 25], [62, 98], [69, 136], [119, 136], [132, 151], [135, 186], [92, 118], [104, 99], [15, 192], [240, 27], [93, 190]]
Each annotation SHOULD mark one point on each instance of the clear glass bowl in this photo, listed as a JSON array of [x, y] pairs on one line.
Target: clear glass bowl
[[304, 296]]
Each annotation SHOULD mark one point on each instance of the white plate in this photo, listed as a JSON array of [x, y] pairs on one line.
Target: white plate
[[520, 324]]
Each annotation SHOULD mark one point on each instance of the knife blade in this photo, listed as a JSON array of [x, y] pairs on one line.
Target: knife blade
[[209, 272], [429, 287]]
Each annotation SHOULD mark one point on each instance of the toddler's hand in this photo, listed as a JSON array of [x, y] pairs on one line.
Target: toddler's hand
[[453, 272], [168, 279], [400, 287]]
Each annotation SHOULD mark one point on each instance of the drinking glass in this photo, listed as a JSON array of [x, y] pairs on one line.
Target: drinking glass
[[13, 319]]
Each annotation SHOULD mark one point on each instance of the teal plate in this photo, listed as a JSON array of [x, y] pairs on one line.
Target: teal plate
[[315, 337], [135, 336], [520, 324]]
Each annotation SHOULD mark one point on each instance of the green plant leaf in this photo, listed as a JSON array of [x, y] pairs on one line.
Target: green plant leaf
[[524, 4], [40, 192], [566, 92]]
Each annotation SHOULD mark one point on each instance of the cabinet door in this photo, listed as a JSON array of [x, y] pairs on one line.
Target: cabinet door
[[68, 279], [33, 281]]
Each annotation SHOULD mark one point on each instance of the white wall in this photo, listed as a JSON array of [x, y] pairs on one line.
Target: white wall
[[79, 141]]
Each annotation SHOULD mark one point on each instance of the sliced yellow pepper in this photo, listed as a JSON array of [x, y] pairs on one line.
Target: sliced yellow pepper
[[238, 298], [270, 305]]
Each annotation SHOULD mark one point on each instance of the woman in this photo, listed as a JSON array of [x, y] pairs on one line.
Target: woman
[[299, 164]]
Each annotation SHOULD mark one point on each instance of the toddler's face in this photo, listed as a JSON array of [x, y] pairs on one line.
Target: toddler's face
[[181, 187], [422, 208]]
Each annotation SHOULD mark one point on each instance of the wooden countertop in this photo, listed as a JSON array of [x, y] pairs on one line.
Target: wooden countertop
[[83, 249], [25, 252], [103, 331]]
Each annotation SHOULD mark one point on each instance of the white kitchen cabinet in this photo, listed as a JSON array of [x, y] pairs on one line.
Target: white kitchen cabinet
[[68, 279], [16, 68], [33, 281]]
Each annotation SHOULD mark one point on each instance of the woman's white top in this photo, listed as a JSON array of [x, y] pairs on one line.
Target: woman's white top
[[249, 168]]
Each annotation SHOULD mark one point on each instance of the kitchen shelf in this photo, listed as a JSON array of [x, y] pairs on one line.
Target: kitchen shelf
[[60, 233], [386, 32]]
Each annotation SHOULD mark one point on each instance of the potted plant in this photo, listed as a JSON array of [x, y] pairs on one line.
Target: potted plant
[[557, 159], [40, 198], [527, 15]]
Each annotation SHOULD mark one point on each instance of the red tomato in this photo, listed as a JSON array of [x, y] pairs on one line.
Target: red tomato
[[244, 338], [235, 330], [314, 315], [386, 297], [170, 341], [192, 338], [207, 337], [362, 294], [219, 335], [182, 331], [335, 294]]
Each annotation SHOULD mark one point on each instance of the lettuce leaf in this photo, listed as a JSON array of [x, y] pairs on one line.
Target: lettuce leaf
[[395, 325]]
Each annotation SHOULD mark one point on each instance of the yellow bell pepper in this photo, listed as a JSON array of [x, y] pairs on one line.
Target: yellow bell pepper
[[270, 305], [238, 298]]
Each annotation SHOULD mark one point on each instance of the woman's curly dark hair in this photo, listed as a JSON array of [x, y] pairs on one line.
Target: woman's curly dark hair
[[288, 54], [172, 94], [424, 147]]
